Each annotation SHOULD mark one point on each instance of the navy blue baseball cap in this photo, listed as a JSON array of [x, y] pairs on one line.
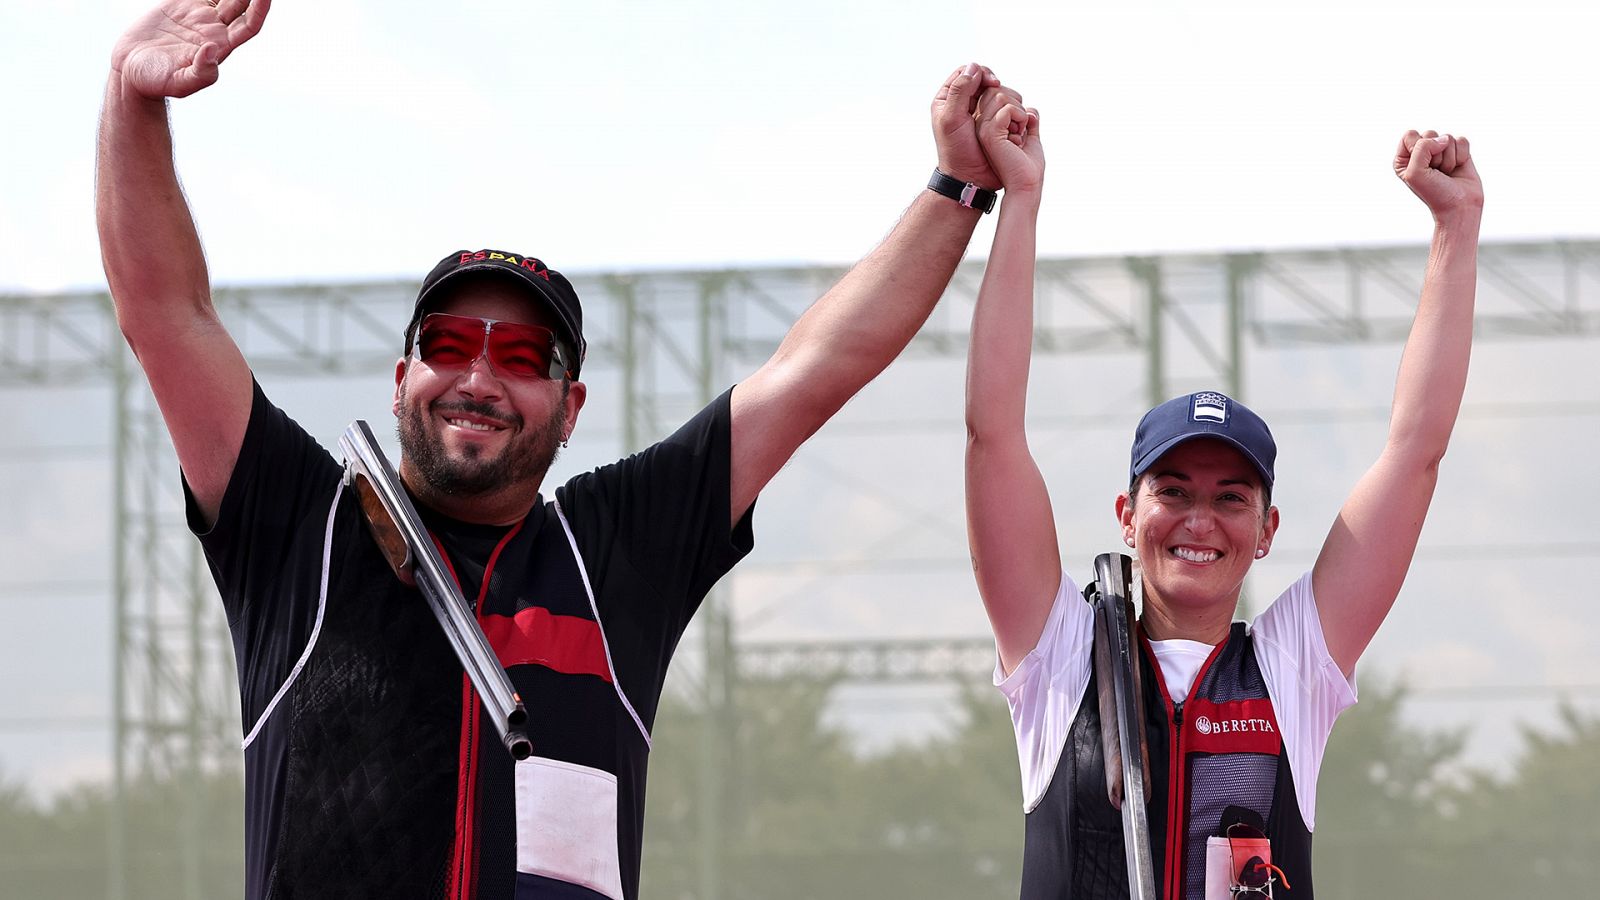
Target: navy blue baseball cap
[[1205, 414]]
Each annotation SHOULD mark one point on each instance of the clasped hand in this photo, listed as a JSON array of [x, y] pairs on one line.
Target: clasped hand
[[973, 115]]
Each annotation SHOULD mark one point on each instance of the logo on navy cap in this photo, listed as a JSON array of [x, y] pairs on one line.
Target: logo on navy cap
[[1209, 406]]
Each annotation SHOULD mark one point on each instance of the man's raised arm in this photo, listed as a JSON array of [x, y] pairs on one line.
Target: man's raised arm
[[148, 244], [862, 323]]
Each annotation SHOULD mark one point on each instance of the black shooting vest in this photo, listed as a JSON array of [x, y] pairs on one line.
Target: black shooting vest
[[388, 754], [1219, 748]]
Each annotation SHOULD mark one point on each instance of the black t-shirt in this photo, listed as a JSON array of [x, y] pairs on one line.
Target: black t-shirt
[[369, 768]]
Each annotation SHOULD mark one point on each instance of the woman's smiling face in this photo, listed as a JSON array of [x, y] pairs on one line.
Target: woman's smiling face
[[1197, 521]]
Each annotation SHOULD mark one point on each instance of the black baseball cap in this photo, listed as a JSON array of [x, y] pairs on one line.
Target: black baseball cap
[[546, 284], [1204, 414]]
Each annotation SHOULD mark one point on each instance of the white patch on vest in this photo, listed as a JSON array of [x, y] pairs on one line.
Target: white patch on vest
[[567, 824], [1225, 858]]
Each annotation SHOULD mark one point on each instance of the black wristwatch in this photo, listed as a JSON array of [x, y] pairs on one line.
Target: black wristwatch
[[963, 192]]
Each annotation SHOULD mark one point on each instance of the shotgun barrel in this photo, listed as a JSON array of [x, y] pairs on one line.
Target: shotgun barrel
[[1121, 701], [410, 552]]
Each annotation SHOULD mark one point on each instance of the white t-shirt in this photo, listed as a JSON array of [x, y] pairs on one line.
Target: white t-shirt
[[1306, 687]]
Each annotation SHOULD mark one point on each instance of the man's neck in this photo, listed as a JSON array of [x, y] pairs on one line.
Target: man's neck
[[502, 507]]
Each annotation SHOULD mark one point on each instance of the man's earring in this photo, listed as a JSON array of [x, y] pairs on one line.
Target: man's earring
[[1260, 553], [1128, 541]]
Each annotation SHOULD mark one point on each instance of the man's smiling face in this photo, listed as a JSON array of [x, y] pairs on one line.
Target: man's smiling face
[[467, 428]]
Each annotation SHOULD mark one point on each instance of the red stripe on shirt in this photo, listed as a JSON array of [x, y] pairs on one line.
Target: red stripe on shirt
[[566, 644], [464, 853]]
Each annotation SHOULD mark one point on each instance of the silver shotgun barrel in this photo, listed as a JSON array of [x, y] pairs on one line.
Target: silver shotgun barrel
[[410, 552], [1121, 699]]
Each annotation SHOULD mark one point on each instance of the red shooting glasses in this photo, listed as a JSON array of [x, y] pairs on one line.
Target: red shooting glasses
[[512, 348]]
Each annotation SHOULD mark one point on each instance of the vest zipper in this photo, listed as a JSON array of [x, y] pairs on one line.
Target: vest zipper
[[1177, 773], [1176, 790]]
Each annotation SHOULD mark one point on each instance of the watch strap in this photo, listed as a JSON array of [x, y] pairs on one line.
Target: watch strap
[[963, 192]]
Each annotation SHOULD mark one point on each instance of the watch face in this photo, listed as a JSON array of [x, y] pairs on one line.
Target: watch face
[[963, 192]]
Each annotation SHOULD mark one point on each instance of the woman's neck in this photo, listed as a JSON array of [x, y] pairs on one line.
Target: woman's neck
[[1164, 623]]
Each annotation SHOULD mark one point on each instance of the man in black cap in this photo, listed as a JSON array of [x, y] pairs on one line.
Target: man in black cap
[[369, 769]]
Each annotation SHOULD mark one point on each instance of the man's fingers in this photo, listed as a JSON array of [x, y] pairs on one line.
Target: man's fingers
[[989, 102], [966, 87], [200, 73], [228, 10], [1446, 162], [1463, 152], [206, 60], [961, 86], [246, 23], [944, 89]]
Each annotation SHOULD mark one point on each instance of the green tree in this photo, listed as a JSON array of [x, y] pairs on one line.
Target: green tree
[[807, 817], [949, 812], [61, 851], [1536, 833], [1387, 801], [786, 784]]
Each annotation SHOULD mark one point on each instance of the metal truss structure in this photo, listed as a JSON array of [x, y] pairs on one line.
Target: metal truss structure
[[673, 339]]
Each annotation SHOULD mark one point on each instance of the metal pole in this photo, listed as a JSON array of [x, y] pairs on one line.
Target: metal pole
[[116, 848], [715, 731], [193, 831], [627, 302], [1149, 271], [1236, 270]]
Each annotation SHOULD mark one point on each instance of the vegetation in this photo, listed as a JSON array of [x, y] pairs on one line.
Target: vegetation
[[799, 814]]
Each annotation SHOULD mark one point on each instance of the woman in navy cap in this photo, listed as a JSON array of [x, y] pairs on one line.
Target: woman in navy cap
[[1237, 716]]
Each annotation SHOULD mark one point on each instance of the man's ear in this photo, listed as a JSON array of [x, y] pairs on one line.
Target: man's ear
[[576, 394], [399, 377]]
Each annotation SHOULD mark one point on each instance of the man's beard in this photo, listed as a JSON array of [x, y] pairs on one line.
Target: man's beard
[[528, 455]]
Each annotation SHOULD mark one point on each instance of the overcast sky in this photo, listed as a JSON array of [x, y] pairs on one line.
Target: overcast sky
[[360, 140], [355, 139]]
